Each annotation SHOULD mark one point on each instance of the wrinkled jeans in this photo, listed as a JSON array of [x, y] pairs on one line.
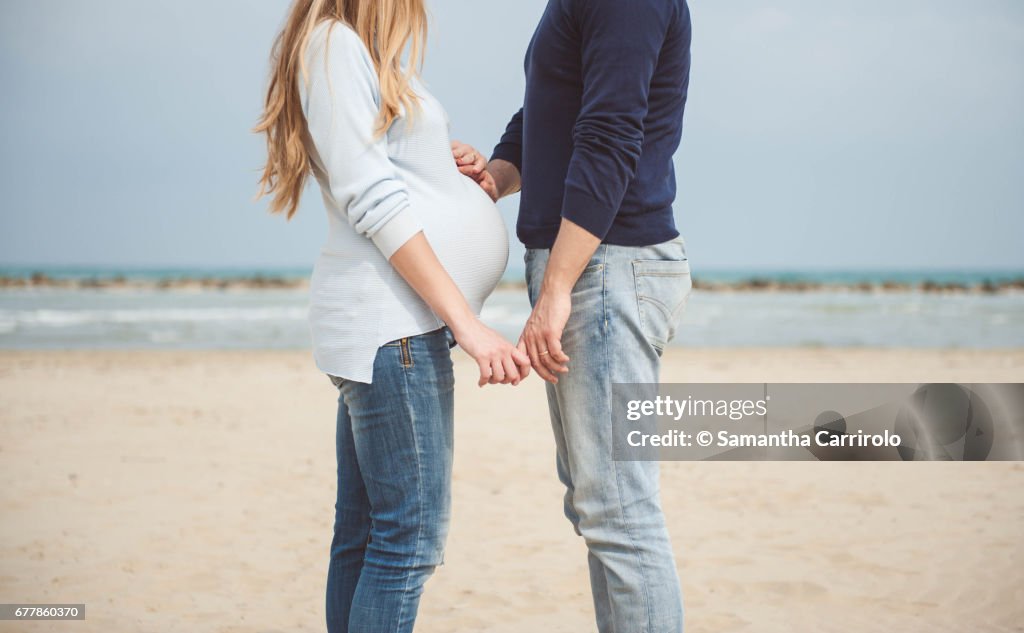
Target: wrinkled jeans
[[625, 308]]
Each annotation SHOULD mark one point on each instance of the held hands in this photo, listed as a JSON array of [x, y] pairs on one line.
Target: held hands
[[472, 164], [542, 336], [540, 345], [499, 361]]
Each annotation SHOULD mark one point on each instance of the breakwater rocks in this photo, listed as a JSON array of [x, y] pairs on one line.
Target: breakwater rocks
[[254, 282], [930, 287], [266, 282]]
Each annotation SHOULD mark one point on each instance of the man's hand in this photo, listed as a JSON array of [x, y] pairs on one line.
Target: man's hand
[[486, 182], [542, 336], [507, 180]]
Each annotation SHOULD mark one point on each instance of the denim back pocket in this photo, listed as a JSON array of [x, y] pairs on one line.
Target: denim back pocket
[[662, 287]]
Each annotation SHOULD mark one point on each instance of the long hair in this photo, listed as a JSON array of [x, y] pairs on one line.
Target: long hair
[[387, 27]]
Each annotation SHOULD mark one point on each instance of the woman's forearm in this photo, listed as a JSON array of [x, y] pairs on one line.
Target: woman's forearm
[[417, 263], [498, 360]]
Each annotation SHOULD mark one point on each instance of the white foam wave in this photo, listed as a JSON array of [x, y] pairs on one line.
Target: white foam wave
[[11, 319]]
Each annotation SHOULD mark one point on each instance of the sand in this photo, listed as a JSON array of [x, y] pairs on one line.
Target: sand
[[193, 491]]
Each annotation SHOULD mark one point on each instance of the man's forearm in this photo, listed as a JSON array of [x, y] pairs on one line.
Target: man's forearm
[[573, 249], [506, 177], [542, 335]]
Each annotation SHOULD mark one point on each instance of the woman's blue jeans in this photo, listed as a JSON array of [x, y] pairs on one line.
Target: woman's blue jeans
[[394, 445]]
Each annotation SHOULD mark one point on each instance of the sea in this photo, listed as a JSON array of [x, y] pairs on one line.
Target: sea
[[133, 318]]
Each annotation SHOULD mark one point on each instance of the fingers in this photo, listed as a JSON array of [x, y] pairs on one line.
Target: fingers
[[511, 371], [485, 373], [519, 354], [549, 359], [464, 154], [522, 360], [499, 362], [487, 183], [469, 157], [497, 372], [469, 161], [555, 349], [536, 360], [550, 364], [460, 151]]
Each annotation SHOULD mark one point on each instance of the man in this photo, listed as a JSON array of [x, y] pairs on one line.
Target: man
[[591, 149]]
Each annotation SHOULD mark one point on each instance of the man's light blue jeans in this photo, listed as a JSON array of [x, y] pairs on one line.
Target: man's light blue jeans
[[625, 308]]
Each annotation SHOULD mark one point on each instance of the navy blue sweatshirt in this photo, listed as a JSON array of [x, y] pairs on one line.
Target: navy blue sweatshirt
[[606, 84]]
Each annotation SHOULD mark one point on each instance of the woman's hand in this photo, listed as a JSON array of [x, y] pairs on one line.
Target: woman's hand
[[472, 164], [499, 361], [469, 161]]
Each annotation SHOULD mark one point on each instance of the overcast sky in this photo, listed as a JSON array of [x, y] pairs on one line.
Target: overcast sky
[[874, 134]]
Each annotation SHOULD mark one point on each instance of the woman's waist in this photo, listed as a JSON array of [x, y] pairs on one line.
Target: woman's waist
[[342, 288], [354, 269], [364, 285]]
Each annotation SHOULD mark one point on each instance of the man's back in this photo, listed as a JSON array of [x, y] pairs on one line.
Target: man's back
[[606, 89]]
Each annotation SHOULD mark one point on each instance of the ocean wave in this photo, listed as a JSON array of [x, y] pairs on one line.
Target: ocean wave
[[11, 319], [258, 320]]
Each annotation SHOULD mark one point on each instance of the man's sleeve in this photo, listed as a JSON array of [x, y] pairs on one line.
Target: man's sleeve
[[621, 42], [510, 148]]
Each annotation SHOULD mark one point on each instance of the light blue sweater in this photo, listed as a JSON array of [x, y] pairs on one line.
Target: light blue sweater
[[379, 192]]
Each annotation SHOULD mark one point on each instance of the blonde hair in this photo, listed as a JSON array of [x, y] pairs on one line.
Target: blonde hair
[[387, 27]]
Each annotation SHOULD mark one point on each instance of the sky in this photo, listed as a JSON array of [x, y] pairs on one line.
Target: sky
[[818, 135]]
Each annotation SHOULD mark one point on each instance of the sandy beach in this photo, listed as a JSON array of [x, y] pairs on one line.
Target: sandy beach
[[193, 491]]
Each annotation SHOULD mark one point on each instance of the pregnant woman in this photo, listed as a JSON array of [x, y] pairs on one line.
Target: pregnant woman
[[414, 247]]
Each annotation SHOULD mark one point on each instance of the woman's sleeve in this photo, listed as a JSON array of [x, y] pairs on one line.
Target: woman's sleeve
[[341, 106]]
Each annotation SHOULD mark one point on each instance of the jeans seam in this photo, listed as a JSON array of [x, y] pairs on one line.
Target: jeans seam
[[670, 315], [625, 521], [658, 303], [639, 303], [419, 487], [636, 550], [604, 289]]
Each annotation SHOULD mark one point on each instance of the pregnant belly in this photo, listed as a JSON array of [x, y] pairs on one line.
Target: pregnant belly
[[469, 237]]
